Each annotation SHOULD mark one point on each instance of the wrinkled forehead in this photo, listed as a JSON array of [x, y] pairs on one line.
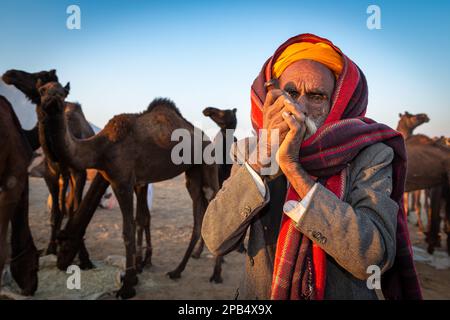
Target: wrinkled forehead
[[309, 72]]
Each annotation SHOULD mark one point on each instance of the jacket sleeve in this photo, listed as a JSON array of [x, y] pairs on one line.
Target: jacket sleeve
[[360, 232], [231, 211]]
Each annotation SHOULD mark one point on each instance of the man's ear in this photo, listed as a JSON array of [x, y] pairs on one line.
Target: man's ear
[[67, 88]]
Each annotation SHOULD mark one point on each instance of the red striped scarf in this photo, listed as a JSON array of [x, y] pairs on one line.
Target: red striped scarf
[[300, 265]]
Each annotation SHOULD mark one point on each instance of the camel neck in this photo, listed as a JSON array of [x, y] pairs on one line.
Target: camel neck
[[405, 131]]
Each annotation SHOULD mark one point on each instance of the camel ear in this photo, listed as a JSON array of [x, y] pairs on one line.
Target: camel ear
[[234, 110], [52, 73], [67, 88]]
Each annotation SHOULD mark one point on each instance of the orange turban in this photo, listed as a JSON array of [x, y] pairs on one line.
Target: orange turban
[[319, 52]]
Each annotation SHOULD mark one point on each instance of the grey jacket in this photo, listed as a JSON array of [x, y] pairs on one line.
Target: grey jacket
[[355, 233]]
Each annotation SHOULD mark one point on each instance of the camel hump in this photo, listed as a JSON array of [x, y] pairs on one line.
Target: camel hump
[[119, 127], [420, 139], [72, 107], [11, 112], [162, 103]]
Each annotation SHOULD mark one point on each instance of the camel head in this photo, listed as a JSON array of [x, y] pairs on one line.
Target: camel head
[[412, 121], [52, 96], [26, 82], [225, 119]]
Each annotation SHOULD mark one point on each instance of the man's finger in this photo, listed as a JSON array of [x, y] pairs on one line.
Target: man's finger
[[291, 121], [271, 96], [296, 130], [295, 110], [277, 106]]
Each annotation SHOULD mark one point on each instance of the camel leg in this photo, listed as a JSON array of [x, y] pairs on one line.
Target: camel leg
[[124, 195], [418, 208], [71, 197], [194, 186], [427, 207], [63, 193], [78, 181], [406, 202], [217, 273], [5, 212], [435, 219], [24, 269], [52, 181], [83, 256], [143, 221], [71, 238], [241, 248], [446, 196], [198, 249], [79, 178]]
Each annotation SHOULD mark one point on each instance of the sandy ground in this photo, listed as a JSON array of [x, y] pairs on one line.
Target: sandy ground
[[171, 231]]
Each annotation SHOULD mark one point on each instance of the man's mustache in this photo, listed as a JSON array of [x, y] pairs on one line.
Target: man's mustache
[[311, 127]]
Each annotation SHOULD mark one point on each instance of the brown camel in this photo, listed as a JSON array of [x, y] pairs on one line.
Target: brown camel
[[407, 124], [429, 168], [130, 152], [54, 168], [15, 157]]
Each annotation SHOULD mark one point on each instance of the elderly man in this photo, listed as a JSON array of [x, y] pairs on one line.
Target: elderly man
[[332, 215]]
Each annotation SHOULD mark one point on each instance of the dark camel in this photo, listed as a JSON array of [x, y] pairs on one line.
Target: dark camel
[[130, 152], [227, 122], [54, 168], [15, 157], [429, 168]]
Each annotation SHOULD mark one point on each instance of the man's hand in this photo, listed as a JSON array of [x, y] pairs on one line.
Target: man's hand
[[288, 153], [275, 129]]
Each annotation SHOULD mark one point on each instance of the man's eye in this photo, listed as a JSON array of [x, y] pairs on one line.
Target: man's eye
[[293, 93], [317, 98]]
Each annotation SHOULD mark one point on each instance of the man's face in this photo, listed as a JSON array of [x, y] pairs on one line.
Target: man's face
[[311, 84]]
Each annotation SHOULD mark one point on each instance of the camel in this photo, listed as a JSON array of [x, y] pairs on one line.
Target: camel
[[54, 168], [429, 168], [407, 124], [14, 160], [443, 141], [226, 120], [130, 152]]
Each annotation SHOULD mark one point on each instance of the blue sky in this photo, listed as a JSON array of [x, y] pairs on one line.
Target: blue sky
[[201, 53]]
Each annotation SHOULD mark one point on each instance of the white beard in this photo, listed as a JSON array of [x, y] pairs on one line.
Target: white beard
[[311, 127]]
